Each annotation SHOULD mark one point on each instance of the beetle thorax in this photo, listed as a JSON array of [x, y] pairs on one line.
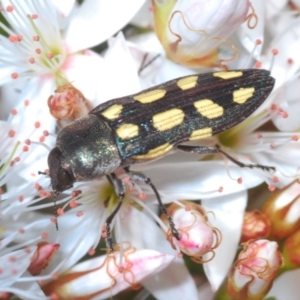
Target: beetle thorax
[[89, 148]]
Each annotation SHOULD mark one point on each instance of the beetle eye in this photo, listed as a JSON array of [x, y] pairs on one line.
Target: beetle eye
[[64, 180]]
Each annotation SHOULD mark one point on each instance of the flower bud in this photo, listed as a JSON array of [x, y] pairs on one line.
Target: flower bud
[[103, 277], [191, 31], [42, 257], [256, 226], [254, 271], [282, 209], [68, 104], [197, 236], [291, 251]]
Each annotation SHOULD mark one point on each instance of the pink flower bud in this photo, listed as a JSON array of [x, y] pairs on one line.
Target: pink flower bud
[[291, 251], [197, 236], [68, 104], [256, 226], [191, 31], [282, 209], [42, 257], [254, 271]]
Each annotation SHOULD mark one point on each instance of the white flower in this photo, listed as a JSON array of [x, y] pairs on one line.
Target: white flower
[[21, 229], [46, 49]]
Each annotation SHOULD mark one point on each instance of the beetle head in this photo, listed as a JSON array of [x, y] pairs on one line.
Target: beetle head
[[62, 177]]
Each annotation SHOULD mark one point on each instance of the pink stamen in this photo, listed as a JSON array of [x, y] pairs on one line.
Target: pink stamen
[[13, 38], [45, 235], [142, 196], [38, 51], [21, 198], [42, 139], [258, 64], [240, 180], [37, 124], [11, 133], [79, 214], [271, 188], [91, 252], [187, 207], [73, 204], [220, 190], [31, 60], [14, 75], [34, 16], [14, 112], [258, 42], [9, 8], [25, 148], [35, 38], [60, 212], [50, 55], [295, 138], [26, 102]]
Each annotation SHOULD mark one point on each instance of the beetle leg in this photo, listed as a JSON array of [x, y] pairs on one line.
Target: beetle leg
[[217, 149], [119, 188], [141, 178]]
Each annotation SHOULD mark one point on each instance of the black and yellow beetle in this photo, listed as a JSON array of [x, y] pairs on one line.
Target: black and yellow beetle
[[150, 124]]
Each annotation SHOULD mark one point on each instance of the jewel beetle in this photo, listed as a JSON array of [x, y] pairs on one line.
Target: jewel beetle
[[152, 123]]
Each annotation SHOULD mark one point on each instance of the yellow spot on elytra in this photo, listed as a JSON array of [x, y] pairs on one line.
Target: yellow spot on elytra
[[209, 109], [156, 152], [242, 95], [113, 111], [201, 134], [151, 96], [127, 131], [168, 119], [228, 75], [187, 82]]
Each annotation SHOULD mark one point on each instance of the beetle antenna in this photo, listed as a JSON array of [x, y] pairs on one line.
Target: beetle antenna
[[55, 194]]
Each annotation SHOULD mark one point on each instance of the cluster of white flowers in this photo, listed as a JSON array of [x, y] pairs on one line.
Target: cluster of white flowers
[[46, 44]]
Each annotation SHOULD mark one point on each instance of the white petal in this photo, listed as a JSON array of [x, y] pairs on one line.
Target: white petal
[[248, 36], [75, 237], [174, 282], [13, 265], [274, 7], [195, 180], [142, 231], [96, 21], [83, 72], [28, 290], [118, 75], [228, 214], [288, 100], [64, 7], [144, 18], [288, 281]]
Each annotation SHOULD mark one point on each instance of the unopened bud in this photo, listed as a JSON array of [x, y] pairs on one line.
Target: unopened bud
[[254, 271], [197, 236], [68, 104], [256, 226], [282, 209], [191, 31]]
